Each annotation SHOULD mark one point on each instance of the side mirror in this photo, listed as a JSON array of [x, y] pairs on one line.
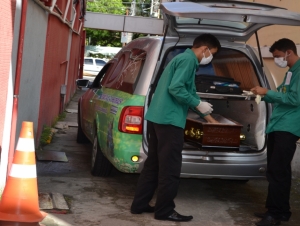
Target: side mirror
[[82, 82]]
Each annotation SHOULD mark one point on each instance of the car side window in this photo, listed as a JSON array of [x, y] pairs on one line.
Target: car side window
[[100, 62], [102, 74], [88, 61]]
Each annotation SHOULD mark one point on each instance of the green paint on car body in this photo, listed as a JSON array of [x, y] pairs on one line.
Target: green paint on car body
[[117, 146]]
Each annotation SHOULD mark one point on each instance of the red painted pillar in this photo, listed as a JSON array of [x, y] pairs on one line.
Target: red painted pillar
[[82, 53]]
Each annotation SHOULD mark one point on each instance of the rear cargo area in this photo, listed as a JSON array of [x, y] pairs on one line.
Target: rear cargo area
[[237, 108]]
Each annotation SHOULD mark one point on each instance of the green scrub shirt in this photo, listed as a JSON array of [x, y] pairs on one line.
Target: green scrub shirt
[[286, 112], [175, 91]]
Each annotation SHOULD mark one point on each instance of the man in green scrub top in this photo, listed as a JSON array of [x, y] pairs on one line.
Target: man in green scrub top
[[283, 132], [174, 95]]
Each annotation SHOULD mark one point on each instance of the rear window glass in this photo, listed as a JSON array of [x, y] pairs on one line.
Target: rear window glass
[[111, 78], [127, 71]]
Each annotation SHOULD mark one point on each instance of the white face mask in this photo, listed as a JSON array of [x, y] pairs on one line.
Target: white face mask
[[206, 60], [281, 61]]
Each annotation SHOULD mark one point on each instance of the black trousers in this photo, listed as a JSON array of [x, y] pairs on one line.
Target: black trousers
[[281, 147], [161, 169]]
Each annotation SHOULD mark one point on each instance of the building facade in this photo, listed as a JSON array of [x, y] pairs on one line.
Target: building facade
[[41, 52]]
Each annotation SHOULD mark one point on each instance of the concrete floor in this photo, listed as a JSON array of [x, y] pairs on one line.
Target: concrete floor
[[106, 201]]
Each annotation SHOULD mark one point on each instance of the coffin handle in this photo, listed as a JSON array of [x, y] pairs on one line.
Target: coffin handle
[[242, 137], [194, 133], [198, 134]]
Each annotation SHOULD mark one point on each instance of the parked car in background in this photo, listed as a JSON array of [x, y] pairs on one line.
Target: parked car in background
[[111, 112], [92, 66]]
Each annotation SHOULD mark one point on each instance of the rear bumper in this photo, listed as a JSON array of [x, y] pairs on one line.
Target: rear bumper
[[243, 169], [223, 169]]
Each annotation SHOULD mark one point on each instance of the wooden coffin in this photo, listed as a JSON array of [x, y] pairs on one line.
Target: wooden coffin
[[226, 133]]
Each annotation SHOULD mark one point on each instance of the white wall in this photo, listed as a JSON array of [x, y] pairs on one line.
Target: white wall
[[32, 66]]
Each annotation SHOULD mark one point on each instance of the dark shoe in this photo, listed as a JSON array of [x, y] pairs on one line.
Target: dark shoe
[[268, 221], [175, 217], [282, 217], [149, 209]]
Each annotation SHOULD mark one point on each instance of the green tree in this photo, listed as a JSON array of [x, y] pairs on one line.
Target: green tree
[[105, 6], [119, 7], [104, 37]]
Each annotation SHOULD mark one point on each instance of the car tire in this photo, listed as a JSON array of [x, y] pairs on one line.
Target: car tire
[[81, 137], [101, 166]]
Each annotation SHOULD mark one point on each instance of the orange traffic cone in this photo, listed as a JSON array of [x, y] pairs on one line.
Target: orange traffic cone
[[19, 202]]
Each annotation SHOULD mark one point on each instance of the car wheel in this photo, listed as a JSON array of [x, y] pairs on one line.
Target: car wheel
[[101, 166], [81, 137]]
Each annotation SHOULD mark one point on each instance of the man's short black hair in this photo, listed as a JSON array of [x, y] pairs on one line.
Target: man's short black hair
[[208, 40], [283, 45]]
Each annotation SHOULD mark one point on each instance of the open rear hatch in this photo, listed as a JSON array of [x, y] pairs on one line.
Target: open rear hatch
[[230, 20]]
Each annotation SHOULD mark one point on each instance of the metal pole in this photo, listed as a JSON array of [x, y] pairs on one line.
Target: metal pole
[[151, 8], [132, 8], [127, 11]]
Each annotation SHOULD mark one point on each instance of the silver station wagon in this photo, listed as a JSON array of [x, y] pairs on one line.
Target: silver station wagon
[[111, 112]]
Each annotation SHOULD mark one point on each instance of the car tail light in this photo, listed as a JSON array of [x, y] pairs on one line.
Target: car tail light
[[131, 120]]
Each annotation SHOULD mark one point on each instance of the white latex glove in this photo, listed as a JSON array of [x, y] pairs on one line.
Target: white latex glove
[[249, 93], [204, 107], [258, 99]]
